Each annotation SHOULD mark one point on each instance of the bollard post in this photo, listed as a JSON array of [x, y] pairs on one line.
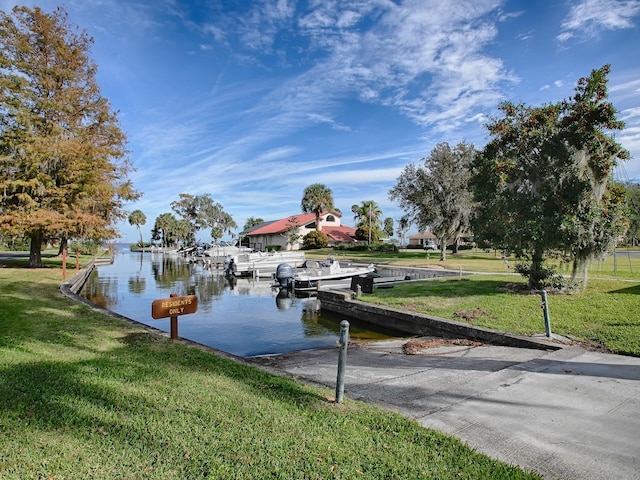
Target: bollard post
[[545, 310], [342, 359]]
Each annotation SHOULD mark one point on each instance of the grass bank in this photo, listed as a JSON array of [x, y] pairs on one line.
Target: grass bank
[[606, 313], [621, 266], [83, 395]]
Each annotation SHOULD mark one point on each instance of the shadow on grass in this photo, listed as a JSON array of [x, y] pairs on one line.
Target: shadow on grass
[[95, 355], [147, 398], [21, 260], [634, 290], [135, 358]]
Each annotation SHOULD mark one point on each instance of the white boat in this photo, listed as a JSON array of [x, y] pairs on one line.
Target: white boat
[[261, 264], [218, 252], [314, 274]]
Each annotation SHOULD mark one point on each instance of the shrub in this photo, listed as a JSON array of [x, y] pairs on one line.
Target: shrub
[[352, 247], [546, 277], [314, 240], [15, 243], [86, 247], [383, 248], [364, 247]]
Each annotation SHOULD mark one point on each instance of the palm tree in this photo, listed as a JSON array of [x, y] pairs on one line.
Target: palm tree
[[165, 226], [367, 216], [137, 218], [317, 198], [403, 226], [252, 222]]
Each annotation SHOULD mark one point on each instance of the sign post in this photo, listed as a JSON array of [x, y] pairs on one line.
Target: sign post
[[64, 264], [172, 307]]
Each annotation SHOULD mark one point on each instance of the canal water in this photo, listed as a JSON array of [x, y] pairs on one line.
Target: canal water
[[242, 316]]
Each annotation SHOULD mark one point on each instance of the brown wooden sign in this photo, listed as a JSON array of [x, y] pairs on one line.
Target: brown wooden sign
[[174, 306]]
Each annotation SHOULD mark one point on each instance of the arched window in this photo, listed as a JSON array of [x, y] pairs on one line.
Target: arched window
[[330, 218]]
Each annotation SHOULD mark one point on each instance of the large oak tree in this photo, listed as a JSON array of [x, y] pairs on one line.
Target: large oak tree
[[544, 181], [63, 165], [201, 211], [436, 194]]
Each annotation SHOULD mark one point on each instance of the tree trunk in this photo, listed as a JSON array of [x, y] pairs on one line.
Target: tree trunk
[[35, 252], [584, 274], [63, 245], [536, 274], [140, 232], [579, 266]]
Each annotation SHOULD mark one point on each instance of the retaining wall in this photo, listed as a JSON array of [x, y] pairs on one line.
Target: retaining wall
[[74, 286], [343, 303]]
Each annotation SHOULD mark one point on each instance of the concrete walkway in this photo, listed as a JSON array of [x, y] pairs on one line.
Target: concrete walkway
[[569, 414]]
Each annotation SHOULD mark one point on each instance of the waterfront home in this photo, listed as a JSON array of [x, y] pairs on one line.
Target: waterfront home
[[273, 234]]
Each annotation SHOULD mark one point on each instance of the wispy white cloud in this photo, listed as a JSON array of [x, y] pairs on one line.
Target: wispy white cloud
[[588, 18], [318, 118], [386, 62]]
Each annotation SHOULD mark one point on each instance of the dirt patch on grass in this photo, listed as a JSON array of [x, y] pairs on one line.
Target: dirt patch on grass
[[523, 289], [417, 345], [591, 345], [471, 315]]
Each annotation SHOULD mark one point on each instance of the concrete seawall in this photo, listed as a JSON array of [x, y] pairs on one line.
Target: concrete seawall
[[75, 284], [343, 303]]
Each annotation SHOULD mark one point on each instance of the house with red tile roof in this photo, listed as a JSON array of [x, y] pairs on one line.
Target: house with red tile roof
[[274, 234]]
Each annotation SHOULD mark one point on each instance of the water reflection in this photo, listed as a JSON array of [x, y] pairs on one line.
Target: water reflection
[[242, 316]]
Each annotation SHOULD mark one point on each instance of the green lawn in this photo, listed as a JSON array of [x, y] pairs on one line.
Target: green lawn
[[605, 313], [83, 395], [622, 266]]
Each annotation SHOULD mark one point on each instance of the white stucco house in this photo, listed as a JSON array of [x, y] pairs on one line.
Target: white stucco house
[[273, 233]]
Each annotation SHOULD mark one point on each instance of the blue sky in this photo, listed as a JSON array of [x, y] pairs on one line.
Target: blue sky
[[252, 101]]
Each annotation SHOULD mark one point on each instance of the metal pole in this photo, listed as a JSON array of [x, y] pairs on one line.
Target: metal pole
[[64, 264], [342, 359], [545, 310], [369, 225]]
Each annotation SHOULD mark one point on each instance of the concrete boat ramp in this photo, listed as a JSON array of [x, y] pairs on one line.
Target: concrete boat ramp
[[570, 413], [565, 414]]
